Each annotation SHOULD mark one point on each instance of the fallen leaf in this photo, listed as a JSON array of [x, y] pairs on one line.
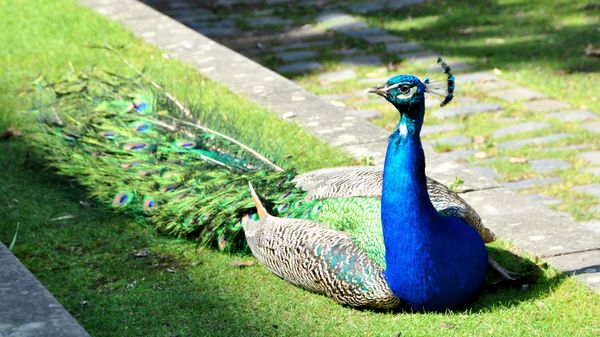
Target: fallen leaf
[[479, 139], [518, 160], [481, 155], [590, 51], [540, 304], [242, 264], [10, 133]]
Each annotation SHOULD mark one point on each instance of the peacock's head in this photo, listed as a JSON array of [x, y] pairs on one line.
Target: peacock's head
[[403, 91], [407, 92]]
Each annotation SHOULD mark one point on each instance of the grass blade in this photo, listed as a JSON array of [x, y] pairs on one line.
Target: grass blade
[[14, 240]]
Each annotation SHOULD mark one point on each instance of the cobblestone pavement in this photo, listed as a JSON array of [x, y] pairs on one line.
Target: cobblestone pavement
[[326, 47]]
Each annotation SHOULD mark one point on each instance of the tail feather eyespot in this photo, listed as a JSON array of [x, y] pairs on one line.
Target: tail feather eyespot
[[122, 199], [135, 146], [149, 204]]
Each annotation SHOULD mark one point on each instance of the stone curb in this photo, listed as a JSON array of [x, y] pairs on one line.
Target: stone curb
[[566, 245], [27, 308]]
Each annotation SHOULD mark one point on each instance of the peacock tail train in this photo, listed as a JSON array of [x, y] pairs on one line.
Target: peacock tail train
[[134, 149]]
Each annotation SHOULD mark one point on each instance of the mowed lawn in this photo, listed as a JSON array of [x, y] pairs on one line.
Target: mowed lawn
[[87, 261]]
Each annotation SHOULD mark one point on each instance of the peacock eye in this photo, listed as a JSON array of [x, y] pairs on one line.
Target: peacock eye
[[404, 89]]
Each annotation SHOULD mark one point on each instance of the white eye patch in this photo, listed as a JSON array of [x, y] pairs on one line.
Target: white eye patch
[[408, 94]]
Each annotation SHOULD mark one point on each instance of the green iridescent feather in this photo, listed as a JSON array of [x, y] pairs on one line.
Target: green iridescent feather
[[135, 150]]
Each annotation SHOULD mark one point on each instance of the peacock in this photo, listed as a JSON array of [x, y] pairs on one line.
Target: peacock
[[365, 236]]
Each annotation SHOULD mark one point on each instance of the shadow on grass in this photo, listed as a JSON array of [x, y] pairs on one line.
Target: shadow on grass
[[88, 261], [494, 33], [116, 275]]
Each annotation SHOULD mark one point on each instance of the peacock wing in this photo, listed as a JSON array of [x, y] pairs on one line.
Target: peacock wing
[[319, 259], [341, 182], [367, 181]]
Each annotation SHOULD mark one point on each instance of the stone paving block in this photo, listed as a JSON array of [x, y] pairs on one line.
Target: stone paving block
[[519, 128], [433, 129], [486, 172], [373, 80], [263, 12], [382, 38], [334, 97], [531, 226], [593, 127], [296, 55], [120, 11], [593, 225], [528, 183], [337, 76], [301, 45], [548, 165], [573, 115], [476, 77], [515, 144], [582, 265], [456, 155], [545, 105], [399, 4], [375, 150], [592, 157], [543, 199], [300, 67], [516, 94], [453, 140], [493, 85], [348, 51], [425, 56], [267, 21], [191, 15], [466, 110], [592, 189], [574, 147], [592, 170], [365, 113], [459, 67], [401, 47], [367, 32], [27, 309], [363, 60], [341, 22], [181, 5], [214, 31], [366, 7]]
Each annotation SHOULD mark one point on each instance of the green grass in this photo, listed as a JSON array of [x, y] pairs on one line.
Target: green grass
[[88, 261]]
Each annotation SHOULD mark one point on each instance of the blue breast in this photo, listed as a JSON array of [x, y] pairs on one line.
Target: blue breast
[[433, 262]]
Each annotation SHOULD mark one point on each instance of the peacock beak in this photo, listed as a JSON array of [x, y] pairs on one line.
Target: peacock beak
[[379, 90]]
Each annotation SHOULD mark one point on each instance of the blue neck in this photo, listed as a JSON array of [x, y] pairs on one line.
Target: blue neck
[[407, 212]]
